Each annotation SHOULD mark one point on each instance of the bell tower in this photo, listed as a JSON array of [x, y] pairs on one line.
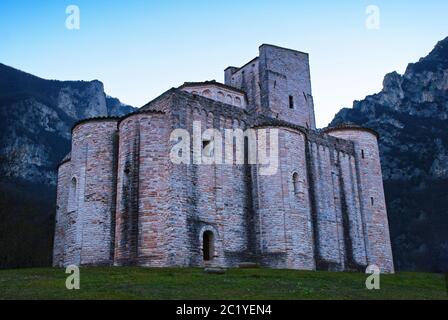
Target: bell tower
[[285, 83], [277, 84]]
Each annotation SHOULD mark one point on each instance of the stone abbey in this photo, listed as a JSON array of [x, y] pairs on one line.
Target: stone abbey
[[122, 201]]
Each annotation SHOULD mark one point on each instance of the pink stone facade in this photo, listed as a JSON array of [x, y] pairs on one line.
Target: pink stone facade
[[122, 201]]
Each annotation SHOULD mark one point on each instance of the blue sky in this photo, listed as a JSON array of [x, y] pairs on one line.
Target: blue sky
[[139, 49]]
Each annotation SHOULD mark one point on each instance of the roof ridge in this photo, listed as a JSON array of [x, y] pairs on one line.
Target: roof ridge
[[212, 82]]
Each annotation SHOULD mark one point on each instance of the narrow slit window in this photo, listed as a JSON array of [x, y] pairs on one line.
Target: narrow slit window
[[296, 183], [291, 102], [72, 196], [362, 154], [246, 150], [372, 201]]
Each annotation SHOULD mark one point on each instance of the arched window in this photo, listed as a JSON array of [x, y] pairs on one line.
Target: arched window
[[208, 245], [229, 99], [237, 101], [72, 195], [220, 96], [296, 183], [207, 93]]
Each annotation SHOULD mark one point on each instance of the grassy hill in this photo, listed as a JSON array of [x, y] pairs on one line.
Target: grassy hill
[[140, 283]]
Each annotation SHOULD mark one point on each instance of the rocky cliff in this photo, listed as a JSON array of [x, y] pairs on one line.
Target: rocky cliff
[[411, 116], [36, 117]]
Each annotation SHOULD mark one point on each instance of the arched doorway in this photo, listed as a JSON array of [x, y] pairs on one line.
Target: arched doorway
[[208, 245]]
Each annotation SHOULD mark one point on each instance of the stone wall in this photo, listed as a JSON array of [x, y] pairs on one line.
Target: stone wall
[[154, 215], [328, 220], [86, 196], [128, 183], [247, 78], [93, 164], [61, 223], [143, 191], [337, 211], [283, 216], [210, 197], [373, 205]]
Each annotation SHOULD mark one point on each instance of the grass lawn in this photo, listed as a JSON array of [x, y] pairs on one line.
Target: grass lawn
[[141, 283]]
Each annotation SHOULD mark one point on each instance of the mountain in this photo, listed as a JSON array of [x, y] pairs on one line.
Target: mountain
[[411, 116], [36, 117], [116, 108]]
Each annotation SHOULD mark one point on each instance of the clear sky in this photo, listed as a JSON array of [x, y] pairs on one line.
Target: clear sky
[[141, 48]]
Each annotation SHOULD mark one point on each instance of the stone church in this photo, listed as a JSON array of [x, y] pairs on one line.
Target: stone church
[[122, 201]]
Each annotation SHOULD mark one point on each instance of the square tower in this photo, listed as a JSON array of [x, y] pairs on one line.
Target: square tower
[[278, 84]]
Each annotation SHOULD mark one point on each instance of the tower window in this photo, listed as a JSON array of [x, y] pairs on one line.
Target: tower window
[[296, 183], [291, 102], [372, 201], [72, 195], [362, 154]]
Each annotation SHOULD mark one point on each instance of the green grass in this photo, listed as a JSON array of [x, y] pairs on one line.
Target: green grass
[[141, 283]]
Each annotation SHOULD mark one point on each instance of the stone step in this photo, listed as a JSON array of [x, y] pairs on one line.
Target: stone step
[[248, 265]]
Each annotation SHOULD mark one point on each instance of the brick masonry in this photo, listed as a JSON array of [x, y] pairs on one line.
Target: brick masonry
[[121, 201]]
